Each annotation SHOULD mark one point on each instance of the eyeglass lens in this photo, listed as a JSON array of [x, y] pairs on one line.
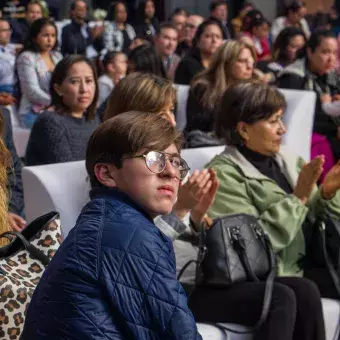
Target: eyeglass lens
[[156, 162]]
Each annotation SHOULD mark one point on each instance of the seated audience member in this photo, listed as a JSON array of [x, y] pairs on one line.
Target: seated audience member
[[295, 13], [34, 11], [258, 31], [288, 45], [151, 93], [166, 43], [77, 36], [60, 134], [142, 59], [209, 37], [316, 73], [115, 66], [219, 12], [144, 92], [233, 61], [7, 58], [237, 23], [118, 34], [145, 59], [129, 265], [255, 178], [178, 19], [34, 66], [147, 23], [140, 40], [14, 180], [190, 30]]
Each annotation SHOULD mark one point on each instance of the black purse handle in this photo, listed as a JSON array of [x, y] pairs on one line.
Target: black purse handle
[[31, 249]]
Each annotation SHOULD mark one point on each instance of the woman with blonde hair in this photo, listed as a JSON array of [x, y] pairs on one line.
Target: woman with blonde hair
[[233, 61]]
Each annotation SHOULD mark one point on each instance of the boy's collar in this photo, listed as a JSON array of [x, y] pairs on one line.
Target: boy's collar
[[116, 194]]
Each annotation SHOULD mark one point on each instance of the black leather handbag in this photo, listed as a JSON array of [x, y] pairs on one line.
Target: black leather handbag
[[233, 250]]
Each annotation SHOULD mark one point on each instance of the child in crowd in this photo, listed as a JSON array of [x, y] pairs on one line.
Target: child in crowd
[[114, 276], [115, 66]]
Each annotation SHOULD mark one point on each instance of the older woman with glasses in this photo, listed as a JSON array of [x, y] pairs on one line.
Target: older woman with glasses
[[260, 177]]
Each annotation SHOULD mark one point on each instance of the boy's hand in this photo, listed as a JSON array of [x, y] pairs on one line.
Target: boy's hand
[[191, 193], [199, 212]]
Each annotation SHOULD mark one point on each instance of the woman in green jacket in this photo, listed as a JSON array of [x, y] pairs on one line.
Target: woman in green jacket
[[258, 176]]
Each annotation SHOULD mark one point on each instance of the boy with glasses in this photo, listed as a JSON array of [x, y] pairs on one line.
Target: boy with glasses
[[114, 277]]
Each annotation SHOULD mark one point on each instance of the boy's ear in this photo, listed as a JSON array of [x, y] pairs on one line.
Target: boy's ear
[[105, 174]]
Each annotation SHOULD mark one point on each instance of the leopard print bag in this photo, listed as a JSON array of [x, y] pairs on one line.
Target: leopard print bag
[[22, 263]]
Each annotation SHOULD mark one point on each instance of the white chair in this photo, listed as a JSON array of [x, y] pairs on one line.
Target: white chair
[[299, 119], [20, 135], [62, 187], [199, 157], [181, 110]]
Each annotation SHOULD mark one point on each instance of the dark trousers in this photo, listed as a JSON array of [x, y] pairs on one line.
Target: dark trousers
[[295, 312]]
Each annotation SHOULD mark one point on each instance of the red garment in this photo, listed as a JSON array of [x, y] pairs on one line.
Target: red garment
[[262, 46]]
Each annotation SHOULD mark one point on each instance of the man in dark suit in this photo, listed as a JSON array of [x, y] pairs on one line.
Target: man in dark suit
[[77, 36], [21, 29], [219, 12]]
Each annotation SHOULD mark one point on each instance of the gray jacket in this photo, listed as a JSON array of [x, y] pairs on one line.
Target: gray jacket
[[34, 81]]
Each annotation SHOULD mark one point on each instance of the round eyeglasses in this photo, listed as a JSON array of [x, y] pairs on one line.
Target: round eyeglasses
[[156, 163]]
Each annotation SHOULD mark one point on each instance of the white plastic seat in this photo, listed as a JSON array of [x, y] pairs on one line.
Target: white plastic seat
[[299, 117], [20, 135], [181, 110]]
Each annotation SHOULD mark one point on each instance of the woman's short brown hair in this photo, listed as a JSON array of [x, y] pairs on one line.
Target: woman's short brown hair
[[141, 92], [247, 102], [59, 75], [129, 134]]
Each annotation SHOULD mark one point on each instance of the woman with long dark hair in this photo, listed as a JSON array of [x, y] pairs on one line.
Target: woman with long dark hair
[[209, 37], [118, 34], [34, 67], [147, 23]]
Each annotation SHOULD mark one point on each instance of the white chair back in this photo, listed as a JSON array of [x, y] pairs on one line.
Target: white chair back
[[20, 135], [299, 117], [199, 157], [181, 111], [299, 120], [61, 187]]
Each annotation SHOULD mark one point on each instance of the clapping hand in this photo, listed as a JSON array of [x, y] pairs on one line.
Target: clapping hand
[[191, 193], [331, 183], [308, 177], [200, 210]]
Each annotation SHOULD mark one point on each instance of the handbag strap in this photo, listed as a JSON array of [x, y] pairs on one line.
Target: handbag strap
[[268, 292], [328, 261], [31, 249]]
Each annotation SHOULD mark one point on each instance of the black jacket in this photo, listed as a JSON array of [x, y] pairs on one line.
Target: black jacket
[[20, 31], [73, 42], [16, 202], [143, 29], [295, 77], [189, 67], [198, 117]]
